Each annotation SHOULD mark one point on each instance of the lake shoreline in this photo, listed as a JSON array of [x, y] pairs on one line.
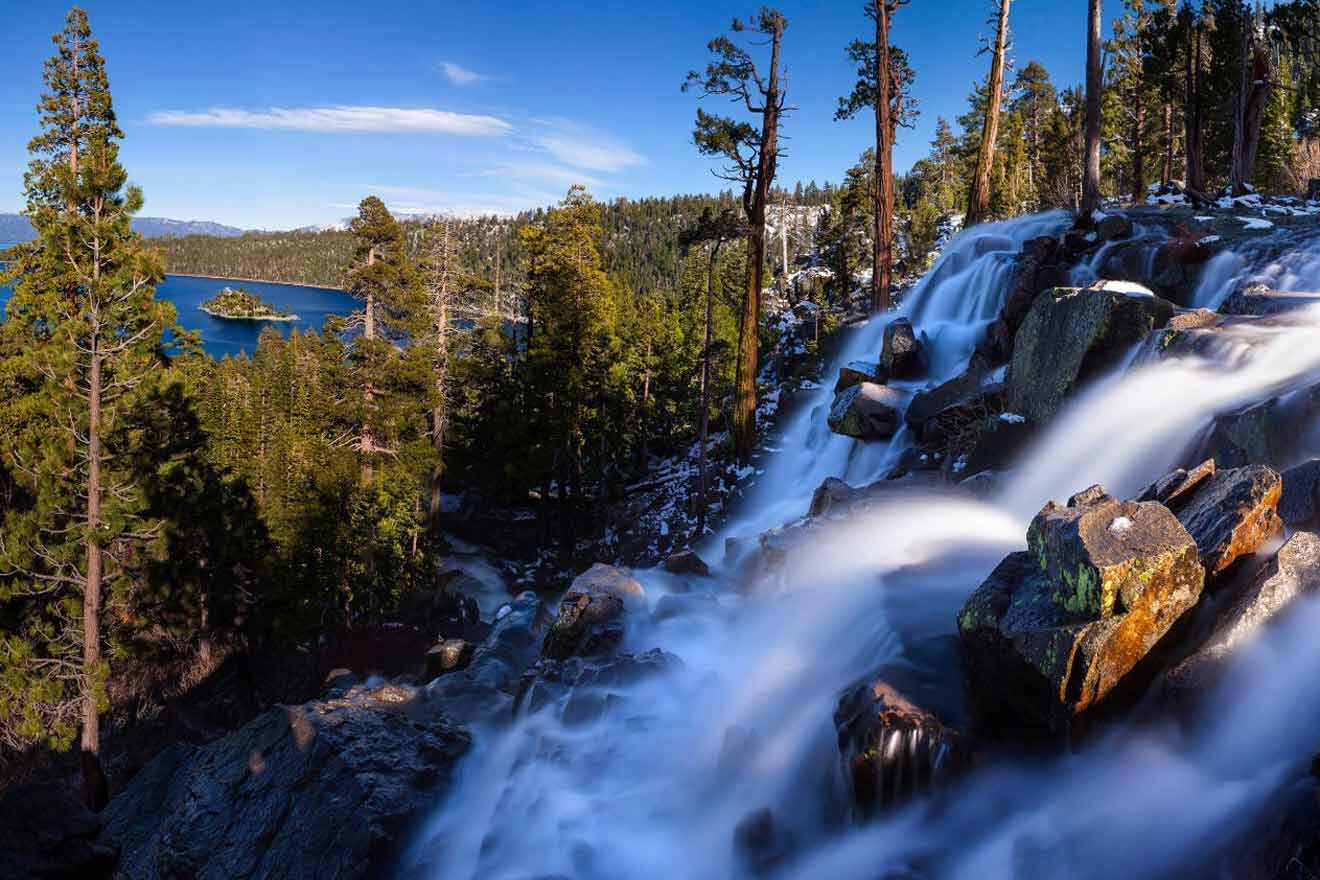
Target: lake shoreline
[[255, 281]]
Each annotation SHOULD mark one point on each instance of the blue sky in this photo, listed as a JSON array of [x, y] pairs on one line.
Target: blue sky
[[283, 113]]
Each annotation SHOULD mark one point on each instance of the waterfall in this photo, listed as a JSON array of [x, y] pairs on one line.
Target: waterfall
[[742, 722]]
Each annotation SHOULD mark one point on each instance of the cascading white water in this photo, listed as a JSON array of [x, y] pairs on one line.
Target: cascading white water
[[657, 786]]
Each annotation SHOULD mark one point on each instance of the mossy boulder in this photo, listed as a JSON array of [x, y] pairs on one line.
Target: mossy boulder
[[866, 411], [1056, 630], [1071, 335]]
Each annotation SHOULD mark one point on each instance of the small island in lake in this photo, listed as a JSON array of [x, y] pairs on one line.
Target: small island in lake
[[243, 305]]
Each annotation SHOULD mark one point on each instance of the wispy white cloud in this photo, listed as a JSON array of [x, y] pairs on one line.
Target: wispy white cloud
[[340, 119], [582, 148], [541, 172], [459, 75]]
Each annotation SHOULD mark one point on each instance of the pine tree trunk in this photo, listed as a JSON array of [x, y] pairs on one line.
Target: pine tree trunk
[[1167, 174], [703, 420], [1094, 84], [883, 238], [95, 790], [440, 304], [744, 405], [1138, 148], [1192, 145], [978, 206], [366, 443], [1253, 90]]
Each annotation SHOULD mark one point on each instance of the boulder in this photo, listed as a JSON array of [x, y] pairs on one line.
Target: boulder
[[587, 624], [1299, 505], [1260, 301], [831, 494], [1292, 573], [866, 412], [47, 831], [892, 749], [1039, 267], [903, 356], [762, 844], [857, 372], [1232, 513], [609, 580], [1174, 489], [686, 562], [1070, 336], [1056, 630], [948, 409], [325, 789], [1263, 433], [584, 688], [1112, 227], [486, 686], [449, 655], [1175, 268], [442, 610]]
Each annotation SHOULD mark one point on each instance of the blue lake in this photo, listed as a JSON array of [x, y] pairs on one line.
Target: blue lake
[[220, 337]]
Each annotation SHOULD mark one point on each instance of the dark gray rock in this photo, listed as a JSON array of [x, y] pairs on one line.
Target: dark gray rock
[[1292, 573], [325, 789], [866, 412], [1112, 227], [1259, 300], [586, 688], [687, 562], [893, 749], [1263, 433], [857, 372], [903, 355], [1072, 335], [449, 655], [1299, 506]]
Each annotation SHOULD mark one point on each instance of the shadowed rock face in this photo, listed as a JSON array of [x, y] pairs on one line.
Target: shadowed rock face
[[1299, 505], [590, 619], [1055, 630], [1071, 335], [1263, 433], [892, 749], [47, 832], [1293, 572], [857, 372], [902, 355], [322, 790], [1232, 514]]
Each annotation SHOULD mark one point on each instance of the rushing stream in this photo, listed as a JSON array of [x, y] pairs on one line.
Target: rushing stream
[[657, 786]]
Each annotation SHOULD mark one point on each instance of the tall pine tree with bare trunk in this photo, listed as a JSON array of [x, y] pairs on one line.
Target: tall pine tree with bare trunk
[[712, 230], [441, 287], [753, 155], [978, 203], [82, 334], [882, 84], [1094, 89]]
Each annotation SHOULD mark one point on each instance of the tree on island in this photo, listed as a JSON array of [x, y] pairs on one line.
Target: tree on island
[[83, 331], [754, 157]]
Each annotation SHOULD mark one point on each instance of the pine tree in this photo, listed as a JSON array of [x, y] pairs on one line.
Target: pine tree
[[83, 331], [884, 82], [754, 157], [978, 207], [1033, 99], [1094, 88]]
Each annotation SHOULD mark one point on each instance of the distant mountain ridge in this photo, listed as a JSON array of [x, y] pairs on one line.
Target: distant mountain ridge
[[15, 227]]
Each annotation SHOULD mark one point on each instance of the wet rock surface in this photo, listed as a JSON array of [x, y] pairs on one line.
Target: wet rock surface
[[1259, 300], [1055, 630], [1299, 505], [892, 749], [1292, 573], [687, 562], [1071, 335], [585, 689], [1267, 432], [324, 789]]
